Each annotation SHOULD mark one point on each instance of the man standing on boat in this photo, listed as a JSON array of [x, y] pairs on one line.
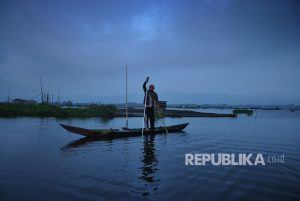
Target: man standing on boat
[[150, 101]]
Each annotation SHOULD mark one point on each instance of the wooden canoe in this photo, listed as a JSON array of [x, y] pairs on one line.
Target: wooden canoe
[[118, 133]]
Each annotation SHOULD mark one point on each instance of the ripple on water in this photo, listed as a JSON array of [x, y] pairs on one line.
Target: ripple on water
[[150, 168]]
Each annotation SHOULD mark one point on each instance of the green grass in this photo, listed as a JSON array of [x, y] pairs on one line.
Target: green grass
[[243, 111], [46, 110]]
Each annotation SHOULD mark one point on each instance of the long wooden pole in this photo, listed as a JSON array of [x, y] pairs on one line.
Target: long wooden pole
[[126, 98]]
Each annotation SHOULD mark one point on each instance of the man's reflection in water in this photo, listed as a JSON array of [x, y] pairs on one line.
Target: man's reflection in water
[[149, 167]]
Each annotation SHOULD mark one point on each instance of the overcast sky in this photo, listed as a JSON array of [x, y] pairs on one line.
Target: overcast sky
[[209, 51]]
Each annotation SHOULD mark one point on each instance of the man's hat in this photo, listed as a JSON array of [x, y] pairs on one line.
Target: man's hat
[[151, 86]]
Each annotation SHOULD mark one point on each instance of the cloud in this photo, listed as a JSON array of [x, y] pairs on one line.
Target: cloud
[[82, 47]]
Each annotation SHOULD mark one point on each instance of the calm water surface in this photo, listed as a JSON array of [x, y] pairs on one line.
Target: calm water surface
[[41, 161]]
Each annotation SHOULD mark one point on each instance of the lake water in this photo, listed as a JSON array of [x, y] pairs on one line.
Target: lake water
[[41, 161]]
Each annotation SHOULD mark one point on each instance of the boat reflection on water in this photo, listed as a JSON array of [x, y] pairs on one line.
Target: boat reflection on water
[[80, 143], [150, 163]]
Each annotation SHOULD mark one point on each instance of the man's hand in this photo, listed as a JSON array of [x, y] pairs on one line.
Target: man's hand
[[147, 79]]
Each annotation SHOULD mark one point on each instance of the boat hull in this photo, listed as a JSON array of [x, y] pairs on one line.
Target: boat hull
[[117, 133]]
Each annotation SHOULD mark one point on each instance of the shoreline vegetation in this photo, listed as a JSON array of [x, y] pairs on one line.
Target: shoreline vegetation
[[109, 110], [138, 112], [91, 110], [243, 111], [48, 110]]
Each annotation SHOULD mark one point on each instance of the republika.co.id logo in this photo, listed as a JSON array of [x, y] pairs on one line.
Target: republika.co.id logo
[[225, 159]]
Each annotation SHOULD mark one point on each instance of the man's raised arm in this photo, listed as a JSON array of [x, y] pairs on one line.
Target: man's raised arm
[[145, 83]]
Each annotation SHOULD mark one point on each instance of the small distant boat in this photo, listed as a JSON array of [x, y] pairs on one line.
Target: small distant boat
[[122, 133]]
